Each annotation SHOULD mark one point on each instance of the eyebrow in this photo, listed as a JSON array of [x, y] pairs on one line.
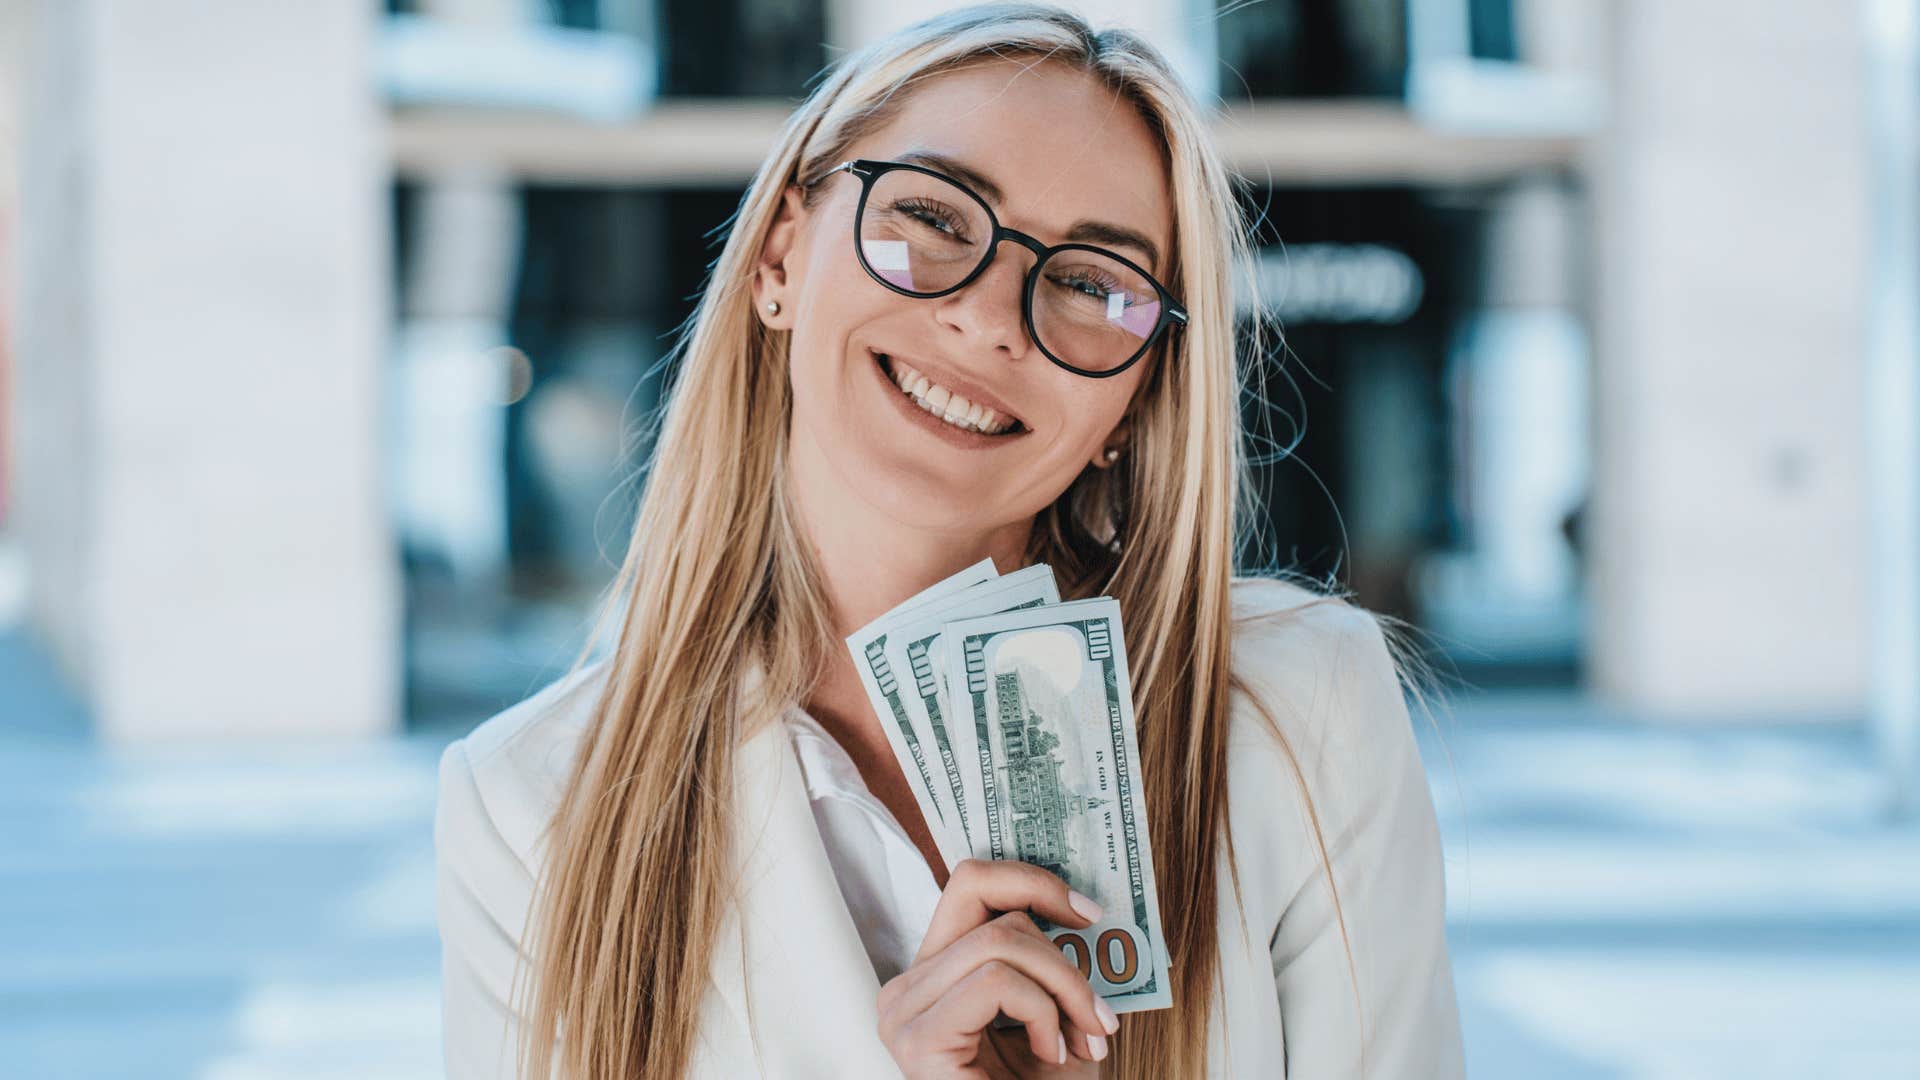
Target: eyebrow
[[1082, 232]]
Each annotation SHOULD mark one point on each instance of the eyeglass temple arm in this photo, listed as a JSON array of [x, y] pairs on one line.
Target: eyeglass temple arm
[[847, 166]]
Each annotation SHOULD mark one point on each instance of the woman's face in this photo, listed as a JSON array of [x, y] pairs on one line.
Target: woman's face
[[1062, 149]]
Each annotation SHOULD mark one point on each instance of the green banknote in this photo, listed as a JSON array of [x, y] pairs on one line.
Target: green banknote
[[915, 651], [1056, 760], [888, 695]]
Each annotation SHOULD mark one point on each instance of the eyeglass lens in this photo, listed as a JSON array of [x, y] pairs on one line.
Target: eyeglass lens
[[925, 235]]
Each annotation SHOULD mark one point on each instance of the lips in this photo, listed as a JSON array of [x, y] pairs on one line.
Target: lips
[[972, 393]]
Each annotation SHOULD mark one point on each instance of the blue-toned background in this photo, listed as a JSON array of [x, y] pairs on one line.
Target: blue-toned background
[[329, 330]]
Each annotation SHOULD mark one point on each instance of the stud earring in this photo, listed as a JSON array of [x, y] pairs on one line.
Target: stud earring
[[773, 307], [1113, 454]]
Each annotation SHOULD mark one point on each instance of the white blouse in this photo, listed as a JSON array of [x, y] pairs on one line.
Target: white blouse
[[884, 878]]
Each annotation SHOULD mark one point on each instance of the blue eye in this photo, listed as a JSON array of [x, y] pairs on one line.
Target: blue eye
[[932, 215], [1090, 285]]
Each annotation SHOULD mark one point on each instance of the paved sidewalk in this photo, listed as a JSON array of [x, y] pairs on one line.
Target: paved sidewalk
[[1658, 903], [241, 913]]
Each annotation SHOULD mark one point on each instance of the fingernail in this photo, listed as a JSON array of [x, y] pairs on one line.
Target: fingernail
[[1061, 1058], [1108, 1018], [1097, 1045], [1084, 905]]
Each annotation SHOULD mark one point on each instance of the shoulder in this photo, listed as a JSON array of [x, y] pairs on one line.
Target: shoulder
[[501, 783], [1319, 727], [1306, 653], [1339, 865]]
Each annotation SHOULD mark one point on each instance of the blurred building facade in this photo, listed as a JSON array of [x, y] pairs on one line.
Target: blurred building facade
[[1730, 525], [194, 437], [1571, 293]]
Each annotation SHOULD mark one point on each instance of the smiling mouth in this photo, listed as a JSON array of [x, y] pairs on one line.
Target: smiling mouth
[[954, 409]]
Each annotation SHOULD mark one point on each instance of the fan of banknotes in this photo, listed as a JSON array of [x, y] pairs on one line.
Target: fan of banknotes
[[1012, 716]]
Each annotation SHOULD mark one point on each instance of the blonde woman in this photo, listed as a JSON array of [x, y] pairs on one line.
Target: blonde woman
[[697, 855]]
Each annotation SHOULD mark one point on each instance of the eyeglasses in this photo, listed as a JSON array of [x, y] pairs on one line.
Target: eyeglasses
[[922, 233]]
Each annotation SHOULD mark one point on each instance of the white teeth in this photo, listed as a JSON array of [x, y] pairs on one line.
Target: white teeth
[[945, 404]]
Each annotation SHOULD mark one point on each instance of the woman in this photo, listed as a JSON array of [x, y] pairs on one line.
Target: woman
[[683, 859]]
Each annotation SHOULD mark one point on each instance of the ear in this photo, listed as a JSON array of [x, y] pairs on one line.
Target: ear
[[1119, 439], [771, 280]]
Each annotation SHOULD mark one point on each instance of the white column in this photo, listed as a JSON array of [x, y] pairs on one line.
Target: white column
[[1729, 525], [202, 314], [16, 23], [1893, 391]]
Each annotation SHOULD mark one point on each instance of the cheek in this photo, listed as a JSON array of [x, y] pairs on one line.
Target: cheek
[[1082, 426], [1091, 411], [821, 387], [837, 295], [819, 351]]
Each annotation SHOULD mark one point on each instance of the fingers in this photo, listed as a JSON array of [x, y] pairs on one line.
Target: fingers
[[1090, 1047], [978, 889], [1091, 1043], [1011, 940], [1087, 1044], [982, 956], [988, 990]]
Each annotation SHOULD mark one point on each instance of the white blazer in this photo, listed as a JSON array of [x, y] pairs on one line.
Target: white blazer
[[793, 990]]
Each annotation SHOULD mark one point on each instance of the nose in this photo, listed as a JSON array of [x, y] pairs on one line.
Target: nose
[[988, 309]]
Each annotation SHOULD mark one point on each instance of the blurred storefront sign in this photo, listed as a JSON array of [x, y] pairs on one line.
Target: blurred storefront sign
[[1338, 283], [1428, 410]]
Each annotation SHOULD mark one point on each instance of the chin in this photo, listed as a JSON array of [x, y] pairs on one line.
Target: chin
[[911, 496]]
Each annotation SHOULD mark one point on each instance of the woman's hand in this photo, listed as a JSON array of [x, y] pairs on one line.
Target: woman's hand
[[976, 963]]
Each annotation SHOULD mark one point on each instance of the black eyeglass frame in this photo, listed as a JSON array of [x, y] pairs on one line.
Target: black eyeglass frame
[[869, 170]]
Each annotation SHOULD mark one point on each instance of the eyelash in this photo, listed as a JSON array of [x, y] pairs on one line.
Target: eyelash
[[945, 216], [1106, 285]]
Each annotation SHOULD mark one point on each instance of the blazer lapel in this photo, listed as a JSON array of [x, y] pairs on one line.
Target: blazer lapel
[[790, 963]]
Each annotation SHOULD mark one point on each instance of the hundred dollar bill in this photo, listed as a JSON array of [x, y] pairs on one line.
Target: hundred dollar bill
[[913, 650], [1056, 754], [885, 693]]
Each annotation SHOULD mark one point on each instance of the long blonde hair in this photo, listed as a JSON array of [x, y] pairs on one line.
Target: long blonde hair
[[717, 577]]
